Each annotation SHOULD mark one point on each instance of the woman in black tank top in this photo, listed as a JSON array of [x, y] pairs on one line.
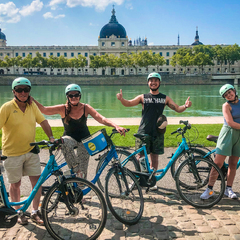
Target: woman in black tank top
[[74, 117]]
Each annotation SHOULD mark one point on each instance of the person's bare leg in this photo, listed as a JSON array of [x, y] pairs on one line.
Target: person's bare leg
[[154, 161], [232, 168], [36, 200], [14, 192]]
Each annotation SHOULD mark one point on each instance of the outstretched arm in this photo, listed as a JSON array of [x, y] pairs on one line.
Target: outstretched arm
[[129, 103], [51, 110], [170, 103], [101, 119]]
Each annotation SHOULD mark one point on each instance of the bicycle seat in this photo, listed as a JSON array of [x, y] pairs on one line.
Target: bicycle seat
[[141, 136], [212, 138]]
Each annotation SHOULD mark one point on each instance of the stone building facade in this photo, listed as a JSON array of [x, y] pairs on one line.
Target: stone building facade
[[112, 39]]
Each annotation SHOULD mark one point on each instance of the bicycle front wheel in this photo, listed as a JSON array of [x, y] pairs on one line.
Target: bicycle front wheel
[[90, 211], [132, 164], [124, 195], [185, 155], [191, 181]]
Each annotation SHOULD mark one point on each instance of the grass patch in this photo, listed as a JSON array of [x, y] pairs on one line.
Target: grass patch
[[198, 130]]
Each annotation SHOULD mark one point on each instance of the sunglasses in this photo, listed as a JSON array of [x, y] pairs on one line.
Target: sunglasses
[[74, 95], [19, 90]]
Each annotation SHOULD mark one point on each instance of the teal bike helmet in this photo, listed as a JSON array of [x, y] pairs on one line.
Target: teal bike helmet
[[225, 88], [21, 81], [154, 74], [73, 87]]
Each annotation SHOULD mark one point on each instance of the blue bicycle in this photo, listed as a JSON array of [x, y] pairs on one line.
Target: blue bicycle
[[128, 201], [191, 176], [68, 202]]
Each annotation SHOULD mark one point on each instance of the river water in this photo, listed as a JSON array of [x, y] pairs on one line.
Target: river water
[[206, 100]]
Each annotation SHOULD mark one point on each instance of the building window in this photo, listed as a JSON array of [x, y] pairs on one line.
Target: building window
[[8, 54], [103, 44], [209, 69], [167, 62], [94, 54], [86, 62], [174, 53], [113, 44], [153, 69], [51, 53], [174, 69], [86, 54], [16, 54], [167, 54], [23, 54], [167, 70], [160, 53], [153, 53], [160, 69], [58, 54], [79, 53], [123, 44], [44, 54], [1, 54], [65, 54], [72, 54], [30, 53]]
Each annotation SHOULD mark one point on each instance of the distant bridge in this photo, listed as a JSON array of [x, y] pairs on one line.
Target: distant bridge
[[233, 77]]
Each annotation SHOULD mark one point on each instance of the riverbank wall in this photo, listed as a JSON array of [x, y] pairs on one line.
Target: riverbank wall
[[172, 79]]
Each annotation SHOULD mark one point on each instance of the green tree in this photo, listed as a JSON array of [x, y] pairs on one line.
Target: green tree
[[219, 55], [232, 54], [82, 62], [202, 59], [145, 59], [52, 62], [73, 63], [18, 61], [62, 62], [124, 61], [8, 63], [158, 61], [27, 62]]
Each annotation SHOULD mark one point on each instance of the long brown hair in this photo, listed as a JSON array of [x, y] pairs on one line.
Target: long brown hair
[[68, 110]]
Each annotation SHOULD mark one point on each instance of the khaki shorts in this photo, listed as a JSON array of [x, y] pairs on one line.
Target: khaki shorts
[[228, 143], [154, 145], [25, 165]]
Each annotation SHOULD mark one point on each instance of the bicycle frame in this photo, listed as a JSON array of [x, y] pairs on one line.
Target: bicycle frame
[[183, 146], [51, 166]]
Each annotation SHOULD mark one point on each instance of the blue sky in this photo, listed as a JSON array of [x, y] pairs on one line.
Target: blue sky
[[78, 22]]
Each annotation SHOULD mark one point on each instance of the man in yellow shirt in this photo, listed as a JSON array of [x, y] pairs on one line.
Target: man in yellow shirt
[[18, 123]]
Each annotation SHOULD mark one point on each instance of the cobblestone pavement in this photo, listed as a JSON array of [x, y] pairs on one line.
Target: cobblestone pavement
[[165, 216]]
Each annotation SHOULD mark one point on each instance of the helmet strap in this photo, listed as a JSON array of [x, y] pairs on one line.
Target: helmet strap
[[20, 100]]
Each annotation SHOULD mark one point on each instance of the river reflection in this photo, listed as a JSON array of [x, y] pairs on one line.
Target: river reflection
[[205, 98]]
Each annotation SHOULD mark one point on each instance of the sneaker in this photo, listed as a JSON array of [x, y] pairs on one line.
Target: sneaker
[[229, 193], [207, 194], [22, 220], [37, 218], [154, 188]]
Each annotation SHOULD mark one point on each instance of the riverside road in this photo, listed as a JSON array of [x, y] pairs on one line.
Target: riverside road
[[165, 215]]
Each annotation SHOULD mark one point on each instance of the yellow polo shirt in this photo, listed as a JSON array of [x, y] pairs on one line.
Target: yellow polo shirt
[[18, 128]]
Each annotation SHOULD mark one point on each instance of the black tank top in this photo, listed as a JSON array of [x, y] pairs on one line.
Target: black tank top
[[153, 108], [76, 128]]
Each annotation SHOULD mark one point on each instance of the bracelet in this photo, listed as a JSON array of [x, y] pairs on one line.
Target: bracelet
[[185, 106], [51, 137]]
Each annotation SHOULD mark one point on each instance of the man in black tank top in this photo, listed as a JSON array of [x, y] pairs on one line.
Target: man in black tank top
[[153, 104]]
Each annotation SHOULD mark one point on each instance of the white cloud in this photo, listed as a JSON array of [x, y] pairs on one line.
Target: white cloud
[[99, 5], [151, 44], [35, 6], [9, 13], [50, 15]]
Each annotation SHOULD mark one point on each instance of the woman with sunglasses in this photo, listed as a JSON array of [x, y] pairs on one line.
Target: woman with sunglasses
[[74, 117]]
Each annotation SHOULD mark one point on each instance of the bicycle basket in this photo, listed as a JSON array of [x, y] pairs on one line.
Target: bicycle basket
[[95, 143]]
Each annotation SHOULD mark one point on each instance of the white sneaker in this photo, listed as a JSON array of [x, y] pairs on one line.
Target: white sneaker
[[154, 188], [207, 194], [229, 193]]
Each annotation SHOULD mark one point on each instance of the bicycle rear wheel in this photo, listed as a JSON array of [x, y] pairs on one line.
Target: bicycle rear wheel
[[132, 164], [90, 215], [191, 181], [125, 204]]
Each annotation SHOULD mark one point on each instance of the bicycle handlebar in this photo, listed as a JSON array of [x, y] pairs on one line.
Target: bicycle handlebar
[[56, 143], [180, 130]]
